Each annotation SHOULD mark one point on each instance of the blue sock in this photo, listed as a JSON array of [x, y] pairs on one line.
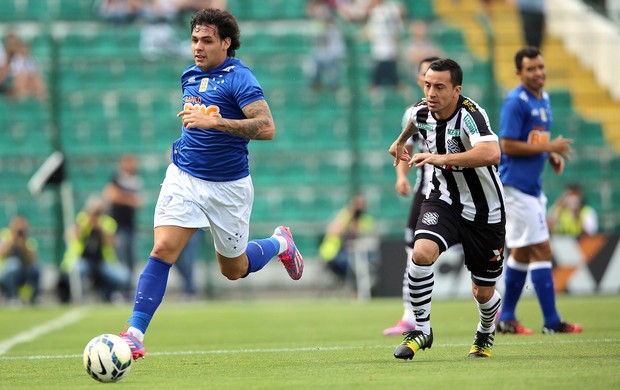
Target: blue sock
[[149, 292], [259, 253], [514, 277], [542, 278]]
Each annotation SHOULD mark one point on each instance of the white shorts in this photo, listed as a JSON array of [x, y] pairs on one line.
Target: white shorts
[[526, 218], [223, 207]]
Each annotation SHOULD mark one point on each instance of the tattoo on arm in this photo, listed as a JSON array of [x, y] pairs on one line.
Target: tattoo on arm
[[259, 122], [407, 132]]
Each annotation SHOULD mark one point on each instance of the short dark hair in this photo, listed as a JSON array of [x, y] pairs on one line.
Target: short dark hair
[[443, 64], [427, 59], [529, 52], [226, 23]]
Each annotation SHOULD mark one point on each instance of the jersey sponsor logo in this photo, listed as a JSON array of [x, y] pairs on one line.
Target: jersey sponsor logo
[[209, 110], [192, 99], [424, 126], [204, 83], [454, 132], [471, 107], [469, 121], [538, 136], [430, 218]]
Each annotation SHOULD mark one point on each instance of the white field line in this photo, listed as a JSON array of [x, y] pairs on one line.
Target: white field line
[[39, 330], [305, 349]]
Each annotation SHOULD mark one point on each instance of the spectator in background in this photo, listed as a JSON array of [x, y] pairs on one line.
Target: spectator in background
[[419, 47], [351, 10], [532, 14], [383, 30], [350, 223], [329, 47], [22, 79], [186, 261], [91, 249], [119, 12], [185, 8], [158, 38], [124, 195], [5, 61], [570, 215], [19, 270]]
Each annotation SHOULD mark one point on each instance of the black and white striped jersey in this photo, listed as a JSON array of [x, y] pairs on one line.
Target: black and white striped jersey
[[476, 193]]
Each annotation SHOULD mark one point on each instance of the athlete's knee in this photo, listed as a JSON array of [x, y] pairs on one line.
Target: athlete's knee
[[165, 250], [233, 273], [424, 256], [232, 268], [483, 294]]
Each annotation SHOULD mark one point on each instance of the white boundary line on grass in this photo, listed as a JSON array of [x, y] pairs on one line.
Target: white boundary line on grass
[[302, 349], [39, 330]]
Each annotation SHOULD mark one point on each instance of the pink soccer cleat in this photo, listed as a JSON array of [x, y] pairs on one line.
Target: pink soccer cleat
[[291, 258], [137, 347], [398, 329]]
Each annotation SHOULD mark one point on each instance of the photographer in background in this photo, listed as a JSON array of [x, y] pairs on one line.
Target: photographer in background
[[92, 251], [19, 270], [350, 223], [571, 216]]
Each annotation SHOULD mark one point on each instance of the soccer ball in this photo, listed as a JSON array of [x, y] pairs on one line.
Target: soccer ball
[[107, 358]]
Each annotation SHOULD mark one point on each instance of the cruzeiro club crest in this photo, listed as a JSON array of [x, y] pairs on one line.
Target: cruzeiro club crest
[[430, 218]]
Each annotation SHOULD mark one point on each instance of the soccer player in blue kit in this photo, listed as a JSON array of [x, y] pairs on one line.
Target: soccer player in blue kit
[[525, 125], [208, 184]]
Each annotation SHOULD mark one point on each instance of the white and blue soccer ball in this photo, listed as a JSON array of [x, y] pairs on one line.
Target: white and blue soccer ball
[[107, 358]]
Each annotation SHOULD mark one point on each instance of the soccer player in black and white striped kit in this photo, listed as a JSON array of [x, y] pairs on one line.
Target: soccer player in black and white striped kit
[[464, 203]]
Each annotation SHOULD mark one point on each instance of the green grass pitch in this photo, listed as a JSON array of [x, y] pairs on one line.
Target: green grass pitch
[[311, 344]]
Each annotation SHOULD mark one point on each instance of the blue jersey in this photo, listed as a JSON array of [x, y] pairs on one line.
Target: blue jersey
[[211, 154], [524, 117]]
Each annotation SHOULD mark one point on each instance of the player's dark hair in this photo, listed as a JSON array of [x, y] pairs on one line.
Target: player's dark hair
[[443, 64], [427, 59], [529, 52], [226, 23]]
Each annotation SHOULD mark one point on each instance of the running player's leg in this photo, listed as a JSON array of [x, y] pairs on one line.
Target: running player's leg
[[524, 226], [151, 287], [229, 207], [176, 218], [483, 247]]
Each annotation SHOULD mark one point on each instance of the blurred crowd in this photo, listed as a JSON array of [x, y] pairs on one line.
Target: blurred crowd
[[20, 75], [100, 254], [154, 11], [100, 260]]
